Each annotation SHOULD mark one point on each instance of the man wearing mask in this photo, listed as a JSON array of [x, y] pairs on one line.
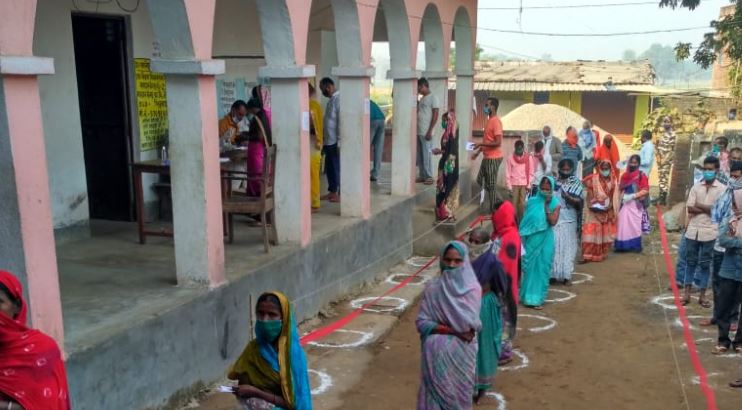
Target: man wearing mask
[[647, 153], [519, 174], [665, 158], [553, 147], [427, 117], [490, 148], [331, 139], [701, 232], [234, 123]]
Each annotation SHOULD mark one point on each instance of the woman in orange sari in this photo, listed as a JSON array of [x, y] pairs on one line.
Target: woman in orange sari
[[599, 227], [608, 151]]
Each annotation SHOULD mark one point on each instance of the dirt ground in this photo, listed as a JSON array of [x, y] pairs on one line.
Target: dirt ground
[[612, 348]]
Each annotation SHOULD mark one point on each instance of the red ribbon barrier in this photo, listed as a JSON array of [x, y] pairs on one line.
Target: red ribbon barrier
[[324, 331], [687, 334]]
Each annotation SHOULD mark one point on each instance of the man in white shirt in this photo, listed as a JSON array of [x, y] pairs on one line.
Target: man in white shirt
[[428, 109], [647, 153]]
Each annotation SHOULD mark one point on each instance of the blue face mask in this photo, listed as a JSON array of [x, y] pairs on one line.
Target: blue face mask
[[444, 125], [267, 331], [487, 110], [446, 268], [605, 172], [716, 149], [709, 176]]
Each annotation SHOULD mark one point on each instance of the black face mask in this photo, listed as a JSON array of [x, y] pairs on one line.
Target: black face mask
[[633, 168], [565, 174]]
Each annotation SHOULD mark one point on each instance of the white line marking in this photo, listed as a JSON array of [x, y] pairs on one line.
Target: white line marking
[[325, 382], [697, 379], [550, 323], [392, 279], [658, 300], [523, 362], [364, 338], [502, 404], [569, 296], [587, 278], [691, 326], [418, 261], [401, 304]]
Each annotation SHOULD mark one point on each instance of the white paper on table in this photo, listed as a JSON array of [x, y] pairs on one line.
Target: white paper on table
[[225, 389], [224, 160], [305, 121], [470, 146]]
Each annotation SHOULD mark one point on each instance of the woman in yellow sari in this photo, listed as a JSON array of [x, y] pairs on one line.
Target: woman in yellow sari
[[315, 147], [272, 370]]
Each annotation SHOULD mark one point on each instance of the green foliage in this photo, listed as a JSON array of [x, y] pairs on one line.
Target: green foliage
[[669, 69], [687, 122]]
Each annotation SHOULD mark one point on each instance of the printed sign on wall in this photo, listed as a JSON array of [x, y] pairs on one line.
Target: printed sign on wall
[[227, 92], [151, 104]]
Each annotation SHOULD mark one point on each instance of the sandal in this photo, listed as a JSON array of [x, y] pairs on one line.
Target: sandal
[[719, 349], [537, 307], [736, 384], [738, 350], [429, 181], [705, 304]]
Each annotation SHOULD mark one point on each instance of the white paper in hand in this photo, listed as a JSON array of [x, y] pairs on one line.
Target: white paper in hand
[[225, 389], [481, 197], [470, 146]]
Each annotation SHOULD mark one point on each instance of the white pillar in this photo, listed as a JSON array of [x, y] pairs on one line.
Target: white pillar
[[355, 150], [195, 169], [404, 134], [464, 94], [290, 127]]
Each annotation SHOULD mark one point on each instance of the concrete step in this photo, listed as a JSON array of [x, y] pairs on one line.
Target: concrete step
[[430, 237]]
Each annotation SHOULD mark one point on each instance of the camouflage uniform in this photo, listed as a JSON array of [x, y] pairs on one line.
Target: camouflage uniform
[[666, 154]]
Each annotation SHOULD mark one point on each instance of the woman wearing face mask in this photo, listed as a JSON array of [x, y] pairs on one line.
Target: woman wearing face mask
[[32, 376], [518, 176], [447, 190], [608, 152], [599, 229], [272, 370], [569, 192], [633, 219], [572, 149], [536, 232], [448, 323]]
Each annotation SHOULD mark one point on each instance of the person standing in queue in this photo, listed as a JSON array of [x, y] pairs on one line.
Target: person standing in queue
[[331, 142], [428, 109]]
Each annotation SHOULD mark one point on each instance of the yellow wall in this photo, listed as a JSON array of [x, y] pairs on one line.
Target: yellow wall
[[568, 99], [641, 111]]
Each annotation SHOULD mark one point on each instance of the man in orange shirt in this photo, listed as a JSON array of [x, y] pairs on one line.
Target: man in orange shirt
[[490, 149]]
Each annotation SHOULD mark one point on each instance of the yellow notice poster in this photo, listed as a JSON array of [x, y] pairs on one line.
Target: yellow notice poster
[[151, 104]]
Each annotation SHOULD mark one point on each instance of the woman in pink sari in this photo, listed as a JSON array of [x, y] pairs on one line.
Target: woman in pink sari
[[633, 219], [258, 139]]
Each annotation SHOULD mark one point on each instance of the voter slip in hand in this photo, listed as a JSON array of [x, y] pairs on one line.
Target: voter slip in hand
[[470, 146], [225, 389]]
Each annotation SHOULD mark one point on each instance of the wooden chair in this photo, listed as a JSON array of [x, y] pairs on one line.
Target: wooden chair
[[263, 205]]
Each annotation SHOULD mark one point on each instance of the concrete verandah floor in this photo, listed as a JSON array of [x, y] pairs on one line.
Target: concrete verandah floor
[[110, 282]]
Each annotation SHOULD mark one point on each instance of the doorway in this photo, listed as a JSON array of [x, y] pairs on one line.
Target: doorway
[[102, 85]]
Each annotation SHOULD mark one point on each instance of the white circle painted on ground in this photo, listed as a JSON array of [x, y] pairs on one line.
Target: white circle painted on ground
[[691, 326], [392, 279], [401, 304], [697, 379], [550, 323], [567, 296], [501, 403], [586, 277], [418, 261], [363, 338], [523, 362], [325, 382], [659, 301]]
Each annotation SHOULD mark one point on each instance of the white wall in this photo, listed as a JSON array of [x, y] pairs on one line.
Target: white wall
[[59, 101]]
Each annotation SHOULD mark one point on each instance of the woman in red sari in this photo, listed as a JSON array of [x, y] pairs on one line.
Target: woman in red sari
[[32, 375], [599, 226], [608, 151], [633, 219], [506, 243]]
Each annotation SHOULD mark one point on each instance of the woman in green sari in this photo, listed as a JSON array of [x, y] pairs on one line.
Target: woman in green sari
[[542, 213], [272, 370]]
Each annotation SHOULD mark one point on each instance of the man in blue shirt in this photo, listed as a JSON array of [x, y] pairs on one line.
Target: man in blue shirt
[[377, 138], [647, 153]]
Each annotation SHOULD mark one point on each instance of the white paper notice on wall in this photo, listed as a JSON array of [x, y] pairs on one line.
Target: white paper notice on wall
[[305, 121], [367, 106]]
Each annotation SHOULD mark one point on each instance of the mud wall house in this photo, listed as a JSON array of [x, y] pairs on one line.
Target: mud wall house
[[614, 95], [90, 88]]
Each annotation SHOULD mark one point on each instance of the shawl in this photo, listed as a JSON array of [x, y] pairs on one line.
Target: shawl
[[571, 185], [523, 159], [602, 189], [283, 372], [453, 299], [608, 154], [571, 139], [636, 178], [587, 137], [722, 209], [505, 229], [534, 218], [33, 372]]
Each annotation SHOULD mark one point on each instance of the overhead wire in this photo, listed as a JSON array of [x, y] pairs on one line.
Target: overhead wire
[[573, 6]]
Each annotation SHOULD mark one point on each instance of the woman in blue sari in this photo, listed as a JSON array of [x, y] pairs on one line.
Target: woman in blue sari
[[537, 234], [272, 370]]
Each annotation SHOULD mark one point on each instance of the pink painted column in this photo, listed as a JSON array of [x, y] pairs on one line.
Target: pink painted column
[[27, 246]]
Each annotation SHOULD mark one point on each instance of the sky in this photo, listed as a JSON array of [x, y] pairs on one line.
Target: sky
[[587, 20]]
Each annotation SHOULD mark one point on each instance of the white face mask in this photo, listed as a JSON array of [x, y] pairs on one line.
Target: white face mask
[[235, 119]]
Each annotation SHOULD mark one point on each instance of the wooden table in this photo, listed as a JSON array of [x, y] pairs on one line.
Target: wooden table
[[159, 167]]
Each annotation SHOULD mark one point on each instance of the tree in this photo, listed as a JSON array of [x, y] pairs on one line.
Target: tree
[[629, 55]]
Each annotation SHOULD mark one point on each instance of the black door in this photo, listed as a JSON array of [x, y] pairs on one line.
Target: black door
[[101, 64]]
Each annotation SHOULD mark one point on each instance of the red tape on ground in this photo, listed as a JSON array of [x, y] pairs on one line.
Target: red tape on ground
[[689, 340], [324, 331]]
